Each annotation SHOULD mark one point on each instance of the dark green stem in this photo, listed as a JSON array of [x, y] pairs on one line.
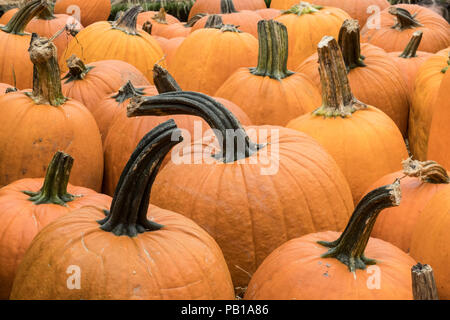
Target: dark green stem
[[444, 70], [214, 21], [147, 27], [46, 14], [349, 42], [54, 189], [350, 246], [128, 21], [234, 141], [163, 80], [303, 8], [194, 20], [77, 69], [227, 6], [128, 213], [413, 44], [126, 92], [19, 21], [273, 50], [404, 19]]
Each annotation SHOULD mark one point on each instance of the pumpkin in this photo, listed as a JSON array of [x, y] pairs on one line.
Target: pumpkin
[[268, 13], [409, 60], [234, 176], [34, 125], [4, 19], [90, 83], [16, 68], [374, 77], [216, 6], [87, 12], [124, 133], [278, 95], [399, 22], [363, 140], [146, 252], [306, 25], [420, 181], [427, 83], [28, 205], [339, 266], [439, 141], [207, 57], [246, 20], [118, 40], [170, 47], [163, 25]]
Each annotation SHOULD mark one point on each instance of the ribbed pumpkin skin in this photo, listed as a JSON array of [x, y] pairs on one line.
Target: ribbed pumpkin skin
[[415, 196], [30, 135], [436, 33], [379, 84], [149, 263], [366, 146], [100, 41], [268, 13], [125, 133], [173, 30], [207, 57], [439, 141], [89, 11], [148, 16], [104, 79], [3, 87], [169, 47], [8, 15], [431, 238], [213, 6], [273, 101], [305, 31], [22, 220], [250, 214], [296, 271], [428, 81]]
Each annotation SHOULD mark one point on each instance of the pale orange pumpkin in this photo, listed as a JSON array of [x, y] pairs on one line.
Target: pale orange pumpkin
[[86, 11]]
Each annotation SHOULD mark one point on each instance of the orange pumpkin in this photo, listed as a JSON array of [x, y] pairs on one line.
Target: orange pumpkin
[[170, 47], [306, 25], [90, 83], [146, 252], [420, 182], [333, 266], [278, 95], [399, 22], [34, 125], [374, 77], [233, 180], [163, 24], [87, 12], [28, 205], [427, 83], [118, 40], [268, 13], [4, 19], [16, 68], [363, 140], [215, 6], [207, 57]]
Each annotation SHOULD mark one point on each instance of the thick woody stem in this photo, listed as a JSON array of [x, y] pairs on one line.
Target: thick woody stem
[[128, 21], [349, 42], [163, 80], [412, 46], [427, 171], [77, 69], [227, 6], [423, 283], [404, 19]]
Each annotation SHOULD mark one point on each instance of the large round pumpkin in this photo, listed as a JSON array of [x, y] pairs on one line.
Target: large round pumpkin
[[251, 197], [363, 140], [28, 205], [34, 125], [374, 77], [333, 266], [216, 6], [278, 95], [399, 22], [136, 252], [87, 11], [118, 40]]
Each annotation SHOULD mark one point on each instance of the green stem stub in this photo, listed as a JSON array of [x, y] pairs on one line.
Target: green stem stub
[[303, 8], [128, 214], [163, 80], [77, 69], [126, 92], [350, 44], [214, 21], [128, 21], [273, 50], [404, 19], [444, 70], [413, 44], [350, 246], [56, 180], [19, 21]]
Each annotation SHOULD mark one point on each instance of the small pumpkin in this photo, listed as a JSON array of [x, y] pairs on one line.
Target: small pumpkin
[[278, 95], [163, 24], [28, 205], [87, 12], [215, 6], [146, 252], [334, 266]]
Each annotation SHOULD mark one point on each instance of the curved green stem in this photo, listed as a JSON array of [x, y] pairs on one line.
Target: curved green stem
[[405, 20], [413, 44], [350, 44], [19, 21], [128, 21], [163, 80]]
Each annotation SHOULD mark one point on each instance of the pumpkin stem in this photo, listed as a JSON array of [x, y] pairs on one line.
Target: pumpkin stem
[[427, 171], [194, 19], [46, 14], [405, 20], [147, 27], [54, 189], [230, 28], [411, 49], [77, 69], [337, 97], [128, 21], [444, 70], [46, 74], [163, 80], [19, 21], [214, 21], [160, 17], [126, 92], [128, 214], [234, 141], [349, 42], [303, 8], [349, 247], [227, 6]]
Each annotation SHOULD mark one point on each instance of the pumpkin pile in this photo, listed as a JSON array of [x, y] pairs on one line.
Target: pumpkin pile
[[255, 150]]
